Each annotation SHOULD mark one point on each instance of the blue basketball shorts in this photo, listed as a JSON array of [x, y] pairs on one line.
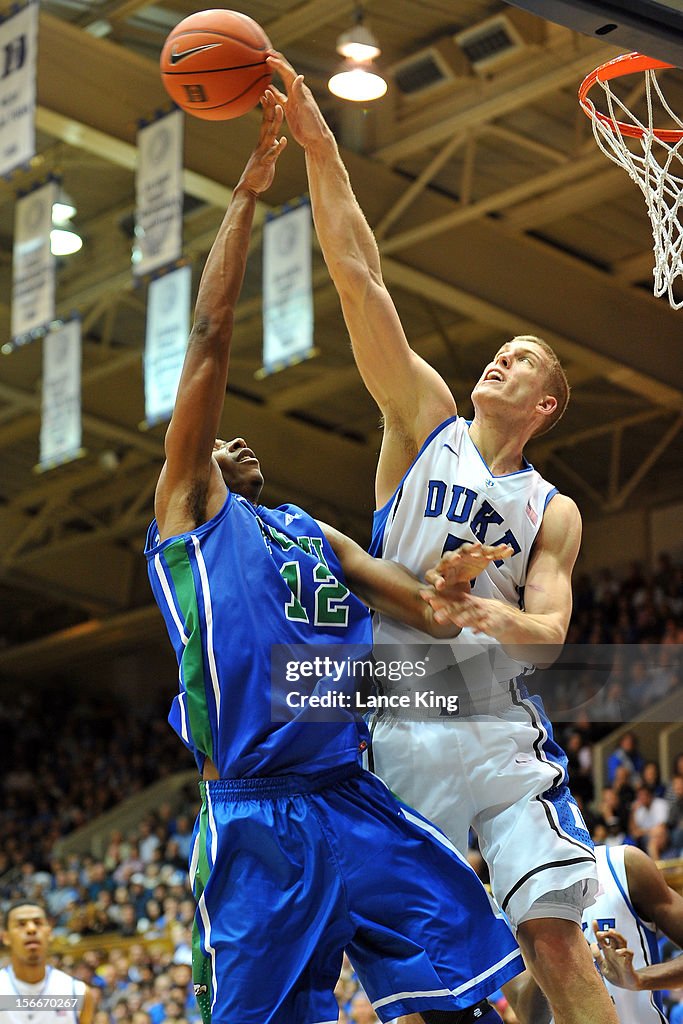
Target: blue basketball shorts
[[289, 872]]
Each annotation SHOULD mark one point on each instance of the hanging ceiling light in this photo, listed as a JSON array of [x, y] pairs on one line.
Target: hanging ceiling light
[[358, 80], [358, 43], [63, 209], [64, 241]]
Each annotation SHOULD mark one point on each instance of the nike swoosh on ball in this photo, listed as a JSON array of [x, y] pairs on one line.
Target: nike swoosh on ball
[[177, 57]]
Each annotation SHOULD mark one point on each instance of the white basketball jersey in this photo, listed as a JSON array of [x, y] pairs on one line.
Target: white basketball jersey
[[56, 988], [613, 909], [449, 497]]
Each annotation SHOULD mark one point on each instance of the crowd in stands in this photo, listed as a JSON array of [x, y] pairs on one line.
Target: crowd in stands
[[65, 759], [63, 763]]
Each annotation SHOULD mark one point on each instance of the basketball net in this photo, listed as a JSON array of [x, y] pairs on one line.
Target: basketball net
[[652, 157]]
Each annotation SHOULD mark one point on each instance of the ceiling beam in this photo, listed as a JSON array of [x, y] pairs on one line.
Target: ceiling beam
[[470, 305], [539, 76]]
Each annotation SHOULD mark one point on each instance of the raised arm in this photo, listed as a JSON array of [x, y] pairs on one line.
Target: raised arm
[[411, 394], [190, 482], [535, 635]]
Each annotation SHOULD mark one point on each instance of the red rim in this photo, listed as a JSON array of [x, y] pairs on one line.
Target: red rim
[[626, 64]]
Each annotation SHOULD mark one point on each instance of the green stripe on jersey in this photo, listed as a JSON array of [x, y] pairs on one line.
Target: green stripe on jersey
[[202, 976], [192, 663]]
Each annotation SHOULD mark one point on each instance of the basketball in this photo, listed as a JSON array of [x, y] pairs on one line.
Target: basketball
[[213, 64]]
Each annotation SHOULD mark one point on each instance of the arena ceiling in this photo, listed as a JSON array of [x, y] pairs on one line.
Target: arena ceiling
[[495, 212]]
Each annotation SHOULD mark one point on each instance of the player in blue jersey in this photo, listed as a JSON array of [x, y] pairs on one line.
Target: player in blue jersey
[[442, 482], [298, 853]]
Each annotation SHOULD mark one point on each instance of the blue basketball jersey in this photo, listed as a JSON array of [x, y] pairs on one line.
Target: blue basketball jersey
[[238, 595]]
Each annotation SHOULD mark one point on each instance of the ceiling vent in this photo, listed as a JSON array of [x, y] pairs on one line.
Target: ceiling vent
[[497, 40], [430, 68]]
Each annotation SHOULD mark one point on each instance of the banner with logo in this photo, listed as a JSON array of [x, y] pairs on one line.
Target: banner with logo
[[18, 49], [168, 327], [287, 288], [159, 194], [60, 427], [33, 265]]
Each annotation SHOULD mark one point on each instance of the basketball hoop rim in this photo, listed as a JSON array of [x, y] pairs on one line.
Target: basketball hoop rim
[[625, 64]]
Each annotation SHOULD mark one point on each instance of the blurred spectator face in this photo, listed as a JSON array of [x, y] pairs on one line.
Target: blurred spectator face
[[622, 776], [186, 911], [644, 796], [609, 798], [650, 773], [361, 1010], [162, 986], [174, 1010], [181, 975], [599, 834], [677, 786]]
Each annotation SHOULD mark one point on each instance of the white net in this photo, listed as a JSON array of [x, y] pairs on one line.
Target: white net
[[656, 166]]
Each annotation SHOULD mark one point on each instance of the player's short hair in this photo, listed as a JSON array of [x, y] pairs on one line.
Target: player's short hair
[[15, 904], [556, 382]]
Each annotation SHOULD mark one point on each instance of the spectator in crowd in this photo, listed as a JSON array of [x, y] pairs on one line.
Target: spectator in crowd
[[649, 816], [626, 754], [652, 778], [675, 818]]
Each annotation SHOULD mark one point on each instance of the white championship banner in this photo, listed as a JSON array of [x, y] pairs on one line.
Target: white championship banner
[[18, 49], [33, 265], [60, 426], [287, 289], [159, 194], [168, 327]]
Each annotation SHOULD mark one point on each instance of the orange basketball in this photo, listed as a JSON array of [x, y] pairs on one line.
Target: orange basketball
[[213, 64]]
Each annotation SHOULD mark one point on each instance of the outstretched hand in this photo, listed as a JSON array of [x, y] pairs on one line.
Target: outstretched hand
[[450, 597], [464, 564], [614, 958], [305, 121], [260, 169]]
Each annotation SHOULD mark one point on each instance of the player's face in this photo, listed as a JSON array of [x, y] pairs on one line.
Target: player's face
[[239, 466], [27, 935], [516, 377]]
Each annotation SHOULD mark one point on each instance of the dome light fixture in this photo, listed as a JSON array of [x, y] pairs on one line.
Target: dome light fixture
[[64, 242], [357, 80], [358, 44]]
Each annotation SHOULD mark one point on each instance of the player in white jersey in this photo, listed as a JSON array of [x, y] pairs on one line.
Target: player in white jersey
[[497, 766], [634, 905], [31, 990]]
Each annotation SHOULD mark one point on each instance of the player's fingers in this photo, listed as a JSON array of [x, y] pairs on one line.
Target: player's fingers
[[276, 60], [279, 95]]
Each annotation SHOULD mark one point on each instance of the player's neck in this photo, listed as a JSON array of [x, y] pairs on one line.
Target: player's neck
[[500, 448], [31, 974]]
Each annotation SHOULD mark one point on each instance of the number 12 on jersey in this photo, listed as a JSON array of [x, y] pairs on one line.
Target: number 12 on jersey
[[329, 597]]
